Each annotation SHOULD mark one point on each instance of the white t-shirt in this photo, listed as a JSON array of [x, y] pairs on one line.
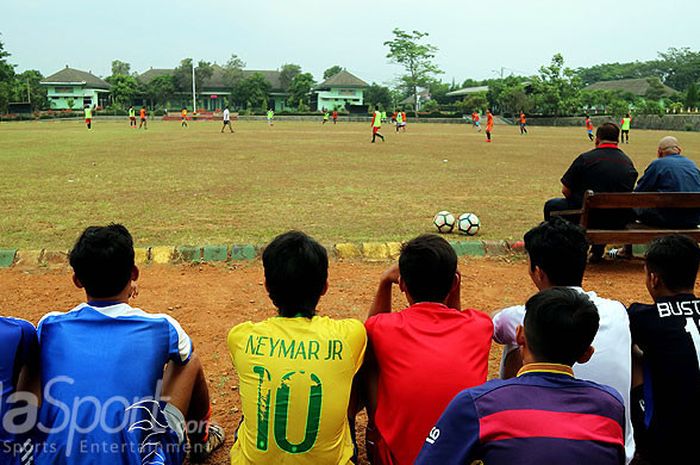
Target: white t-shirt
[[611, 363], [226, 115]]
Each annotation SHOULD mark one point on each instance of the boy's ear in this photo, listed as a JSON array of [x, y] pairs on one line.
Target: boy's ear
[[520, 336], [135, 273], [77, 282], [402, 285], [586, 355]]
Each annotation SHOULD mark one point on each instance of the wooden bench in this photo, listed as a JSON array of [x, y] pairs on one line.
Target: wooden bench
[[634, 233]]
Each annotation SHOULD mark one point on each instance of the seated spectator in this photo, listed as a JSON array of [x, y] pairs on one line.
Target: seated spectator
[[545, 415], [557, 257], [670, 172], [296, 370], [604, 169], [420, 357], [668, 334], [19, 372], [108, 369]]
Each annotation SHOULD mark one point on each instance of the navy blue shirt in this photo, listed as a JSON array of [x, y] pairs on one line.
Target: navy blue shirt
[[672, 173], [544, 416], [668, 332]]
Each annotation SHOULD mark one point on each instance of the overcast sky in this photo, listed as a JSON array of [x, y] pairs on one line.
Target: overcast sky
[[475, 39]]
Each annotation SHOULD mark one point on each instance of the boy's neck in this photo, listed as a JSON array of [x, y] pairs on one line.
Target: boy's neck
[[119, 299], [665, 293]]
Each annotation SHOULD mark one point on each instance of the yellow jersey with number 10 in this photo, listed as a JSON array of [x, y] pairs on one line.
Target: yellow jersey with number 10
[[295, 377]]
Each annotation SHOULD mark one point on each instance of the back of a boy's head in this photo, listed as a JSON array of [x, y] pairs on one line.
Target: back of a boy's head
[[428, 265], [560, 249], [296, 272], [560, 324], [675, 260], [103, 259]]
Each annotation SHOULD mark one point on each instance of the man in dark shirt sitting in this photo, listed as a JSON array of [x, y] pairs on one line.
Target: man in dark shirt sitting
[[604, 169], [671, 172]]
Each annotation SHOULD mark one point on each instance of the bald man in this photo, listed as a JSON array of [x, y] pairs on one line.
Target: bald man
[[670, 172]]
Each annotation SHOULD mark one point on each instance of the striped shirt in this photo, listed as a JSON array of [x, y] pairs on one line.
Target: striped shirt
[[544, 416]]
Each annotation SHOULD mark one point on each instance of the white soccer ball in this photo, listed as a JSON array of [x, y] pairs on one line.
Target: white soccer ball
[[469, 224], [444, 221]]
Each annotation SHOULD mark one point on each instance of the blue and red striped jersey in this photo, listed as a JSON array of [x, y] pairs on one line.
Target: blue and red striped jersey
[[545, 415]]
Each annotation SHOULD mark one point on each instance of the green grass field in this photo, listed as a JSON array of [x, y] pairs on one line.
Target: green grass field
[[196, 186]]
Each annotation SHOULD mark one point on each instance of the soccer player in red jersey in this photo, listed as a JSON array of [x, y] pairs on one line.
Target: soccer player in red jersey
[[589, 128], [523, 123], [420, 357], [335, 116]]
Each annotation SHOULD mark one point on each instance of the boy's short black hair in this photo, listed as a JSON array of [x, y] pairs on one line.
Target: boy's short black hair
[[560, 249], [675, 259], [428, 265], [296, 272], [103, 259], [608, 131], [560, 324]]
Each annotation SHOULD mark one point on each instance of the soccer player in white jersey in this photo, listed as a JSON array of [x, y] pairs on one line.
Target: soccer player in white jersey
[[227, 120], [557, 252]]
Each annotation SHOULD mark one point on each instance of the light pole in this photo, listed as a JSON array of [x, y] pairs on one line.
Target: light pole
[[194, 91]]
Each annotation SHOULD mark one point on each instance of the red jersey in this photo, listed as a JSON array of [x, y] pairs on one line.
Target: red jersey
[[589, 124], [335, 115], [426, 355], [475, 117], [489, 121], [403, 116]]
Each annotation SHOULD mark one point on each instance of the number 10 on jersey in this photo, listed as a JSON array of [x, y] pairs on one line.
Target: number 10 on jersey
[[281, 411]]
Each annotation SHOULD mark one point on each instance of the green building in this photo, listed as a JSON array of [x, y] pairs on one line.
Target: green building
[[214, 94], [73, 89], [340, 91]]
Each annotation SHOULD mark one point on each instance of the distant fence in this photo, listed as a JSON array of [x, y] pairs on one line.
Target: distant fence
[[665, 122]]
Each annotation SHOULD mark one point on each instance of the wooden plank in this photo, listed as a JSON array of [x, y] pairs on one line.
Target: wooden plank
[[642, 200], [566, 213], [642, 236]]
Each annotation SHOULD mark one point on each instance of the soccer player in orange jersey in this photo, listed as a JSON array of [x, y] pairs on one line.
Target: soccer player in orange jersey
[[489, 125], [183, 115], [523, 123], [143, 116], [589, 128]]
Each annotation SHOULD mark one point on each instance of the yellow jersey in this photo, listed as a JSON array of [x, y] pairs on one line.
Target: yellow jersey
[[295, 377]]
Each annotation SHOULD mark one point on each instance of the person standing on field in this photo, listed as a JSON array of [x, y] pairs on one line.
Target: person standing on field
[[88, 116], [143, 116], [270, 117], [376, 126], [489, 125], [625, 125], [132, 117], [183, 115], [523, 123], [589, 128], [227, 120]]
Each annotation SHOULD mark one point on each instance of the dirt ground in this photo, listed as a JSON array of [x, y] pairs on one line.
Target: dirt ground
[[209, 299]]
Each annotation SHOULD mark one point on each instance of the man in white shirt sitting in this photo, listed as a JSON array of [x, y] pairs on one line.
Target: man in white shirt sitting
[[557, 252]]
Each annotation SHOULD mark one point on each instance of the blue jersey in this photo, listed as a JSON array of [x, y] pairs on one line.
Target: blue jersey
[[19, 347], [100, 365], [544, 416]]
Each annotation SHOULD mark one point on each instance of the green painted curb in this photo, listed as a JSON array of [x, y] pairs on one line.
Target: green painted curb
[[188, 253], [243, 252], [639, 250], [468, 248], [215, 253], [7, 257]]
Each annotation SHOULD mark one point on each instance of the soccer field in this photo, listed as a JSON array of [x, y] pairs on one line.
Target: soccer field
[[173, 186]]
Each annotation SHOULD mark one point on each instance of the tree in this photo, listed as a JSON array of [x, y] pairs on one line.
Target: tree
[[557, 88], [681, 67], [332, 71], [183, 74], [159, 89], [233, 70], [416, 58], [251, 92], [123, 89], [7, 76], [300, 90], [120, 68], [27, 87], [692, 100], [473, 102], [378, 97], [438, 92], [287, 73], [656, 90]]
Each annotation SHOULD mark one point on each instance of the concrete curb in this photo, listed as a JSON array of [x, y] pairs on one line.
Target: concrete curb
[[161, 255]]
